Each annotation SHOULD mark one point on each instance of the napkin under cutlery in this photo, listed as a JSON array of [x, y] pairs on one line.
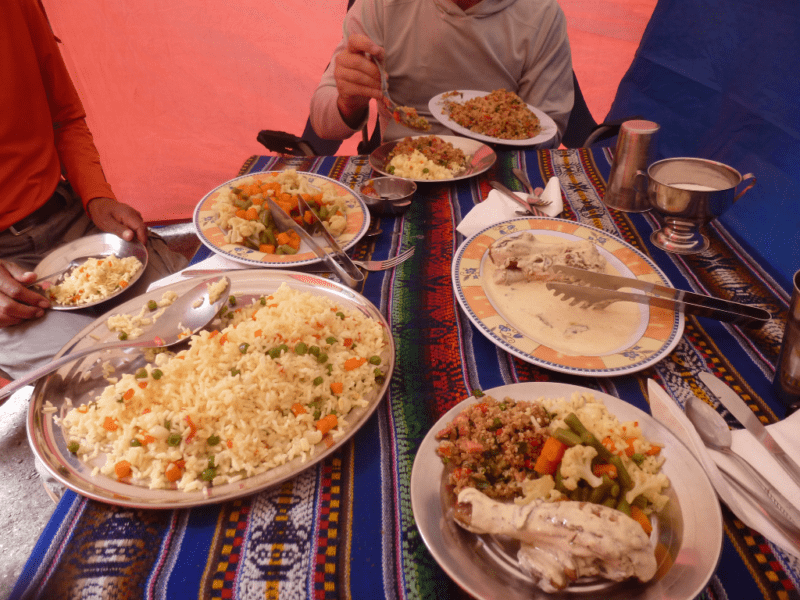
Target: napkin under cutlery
[[669, 413], [497, 208]]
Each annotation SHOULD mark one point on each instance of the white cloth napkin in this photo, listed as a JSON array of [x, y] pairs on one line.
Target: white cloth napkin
[[667, 411], [497, 208], [213, 262]]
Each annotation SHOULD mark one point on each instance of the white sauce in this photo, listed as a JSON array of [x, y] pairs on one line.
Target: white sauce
[[537, 313], [695, 187]]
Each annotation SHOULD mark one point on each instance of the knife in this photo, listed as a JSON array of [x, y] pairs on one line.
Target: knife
[[734, 403], [606, 288], [512, 196], [284, 221]]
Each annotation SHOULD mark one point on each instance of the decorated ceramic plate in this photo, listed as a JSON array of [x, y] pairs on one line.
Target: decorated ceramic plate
[[686, 537], [51, 269], [80, 382], [622, 338], [213, 236], [437, 108], [480, 157]]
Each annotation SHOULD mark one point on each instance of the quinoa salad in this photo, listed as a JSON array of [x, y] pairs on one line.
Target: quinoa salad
[[554, 449], [500, 114], [275, 379], [426, 157]]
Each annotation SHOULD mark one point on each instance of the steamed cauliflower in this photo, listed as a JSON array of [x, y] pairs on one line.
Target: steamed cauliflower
[[577, 465]]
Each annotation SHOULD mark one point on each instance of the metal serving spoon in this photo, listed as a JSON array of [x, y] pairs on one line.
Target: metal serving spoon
[[192, 310], [714, 432]]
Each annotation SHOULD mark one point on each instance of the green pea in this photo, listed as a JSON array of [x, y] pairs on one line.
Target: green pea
[[263, 301], [152, 305], [135, 443], [123, 336], [157, 373], [208, 474], [235, 372], [232, 300], [243, 348], [318, 380], [213, 440], [477, 393], [73, 447], [141, 373], [314, 350], [379, 376], [300, 348], [167, 424], [322, 358], [174, 439], [331, 340], [340, 314], [375, 360]]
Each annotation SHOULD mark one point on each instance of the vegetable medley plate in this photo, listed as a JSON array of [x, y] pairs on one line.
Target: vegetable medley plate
[[216, 228], [686, 536], [80, 383], [438, 103]]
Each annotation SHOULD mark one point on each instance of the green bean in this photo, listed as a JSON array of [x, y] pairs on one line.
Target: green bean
[[270, 235], [602, 491], [623, 477], [559, 480], [610, 502], [623, 506], [566, 436], [287, 249], [587, 437], [323, 212], [640, 501]]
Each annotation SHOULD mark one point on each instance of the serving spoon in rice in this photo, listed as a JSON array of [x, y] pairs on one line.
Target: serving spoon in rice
[[190, 312]]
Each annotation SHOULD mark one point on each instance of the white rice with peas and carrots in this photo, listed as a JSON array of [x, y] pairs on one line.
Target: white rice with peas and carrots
[[280, 377], [94, 280]]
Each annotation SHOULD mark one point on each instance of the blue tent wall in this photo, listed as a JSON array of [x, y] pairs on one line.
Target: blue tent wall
[[722, 78]]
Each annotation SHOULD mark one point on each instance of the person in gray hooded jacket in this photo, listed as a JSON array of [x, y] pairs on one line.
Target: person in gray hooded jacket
[[434, 46]]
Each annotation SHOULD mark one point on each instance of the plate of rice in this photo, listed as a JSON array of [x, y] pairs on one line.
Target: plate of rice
[[105, 265], [286, 374], [681, 529], [425, 158], [233, 219], [498, 117]]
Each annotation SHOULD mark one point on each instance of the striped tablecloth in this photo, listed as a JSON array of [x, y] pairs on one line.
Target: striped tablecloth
[[344, 529]]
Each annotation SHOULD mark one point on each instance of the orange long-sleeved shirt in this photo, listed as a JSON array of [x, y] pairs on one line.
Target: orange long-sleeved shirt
[[42, 120]]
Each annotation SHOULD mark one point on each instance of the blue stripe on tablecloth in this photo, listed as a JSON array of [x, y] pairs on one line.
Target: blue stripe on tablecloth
[[45, 552], [190, 559]]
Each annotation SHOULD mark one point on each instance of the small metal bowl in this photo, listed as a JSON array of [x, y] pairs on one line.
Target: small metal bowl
[[388, 195]]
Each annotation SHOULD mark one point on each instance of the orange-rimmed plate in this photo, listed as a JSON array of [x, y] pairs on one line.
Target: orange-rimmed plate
[[212, 236], [656, 335]]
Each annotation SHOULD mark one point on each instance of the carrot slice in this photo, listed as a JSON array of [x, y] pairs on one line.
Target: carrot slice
[[122, 469]]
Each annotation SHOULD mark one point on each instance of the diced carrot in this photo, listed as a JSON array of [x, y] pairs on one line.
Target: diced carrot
[[551, 454], [326, 423], [173, 472], [129, 394], [337, 387], [257, 201], [83, 409], [148, 439], [122, 469], [123, 284], [637, 514], [308, 217], [294, 240], [241, 213], [604, 469], [653, 451], [267, 248], [229, 443], [213, 334], [354, 363], [629, 451], [223, 339], [298, 409], [251, 214], [142, 384], [192, 429], [110, 424], [146, 410], [348, 342], [609, 444], [282, 238], [257, 333]]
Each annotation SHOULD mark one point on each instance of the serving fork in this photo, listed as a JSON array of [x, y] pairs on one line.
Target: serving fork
[[383, 265]]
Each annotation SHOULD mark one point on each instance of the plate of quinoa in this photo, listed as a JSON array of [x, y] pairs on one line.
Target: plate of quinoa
[[497, 443], [499, 117], [432, 157]]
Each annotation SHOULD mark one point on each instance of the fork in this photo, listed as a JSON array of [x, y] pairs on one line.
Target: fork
[[534, 195], [399, 113], [383, 265]]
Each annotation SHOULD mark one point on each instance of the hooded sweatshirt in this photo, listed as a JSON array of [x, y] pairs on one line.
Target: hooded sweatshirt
[[433, 46]]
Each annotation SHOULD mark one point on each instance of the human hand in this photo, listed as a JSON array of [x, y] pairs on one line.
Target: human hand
[[17, 302], [357, 78], [117, 218]]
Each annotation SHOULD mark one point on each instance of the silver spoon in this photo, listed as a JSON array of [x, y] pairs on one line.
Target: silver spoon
[[192, 310], [714, 432]]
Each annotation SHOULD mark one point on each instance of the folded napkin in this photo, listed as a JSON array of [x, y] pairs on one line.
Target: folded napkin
[[497, 208], [667, 411], [213, 262]]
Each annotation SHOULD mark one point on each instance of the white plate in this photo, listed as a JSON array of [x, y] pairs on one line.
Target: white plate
[[83, 380], [481, 157], [213, 237], [688, 531], [659, 329], [437, 103], [101, 244]]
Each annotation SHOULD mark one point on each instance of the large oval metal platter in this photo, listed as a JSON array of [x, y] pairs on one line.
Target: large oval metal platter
[[213, 237], [687, 536], [83, 380], [656, 335], [92, 246], [480, 158]]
